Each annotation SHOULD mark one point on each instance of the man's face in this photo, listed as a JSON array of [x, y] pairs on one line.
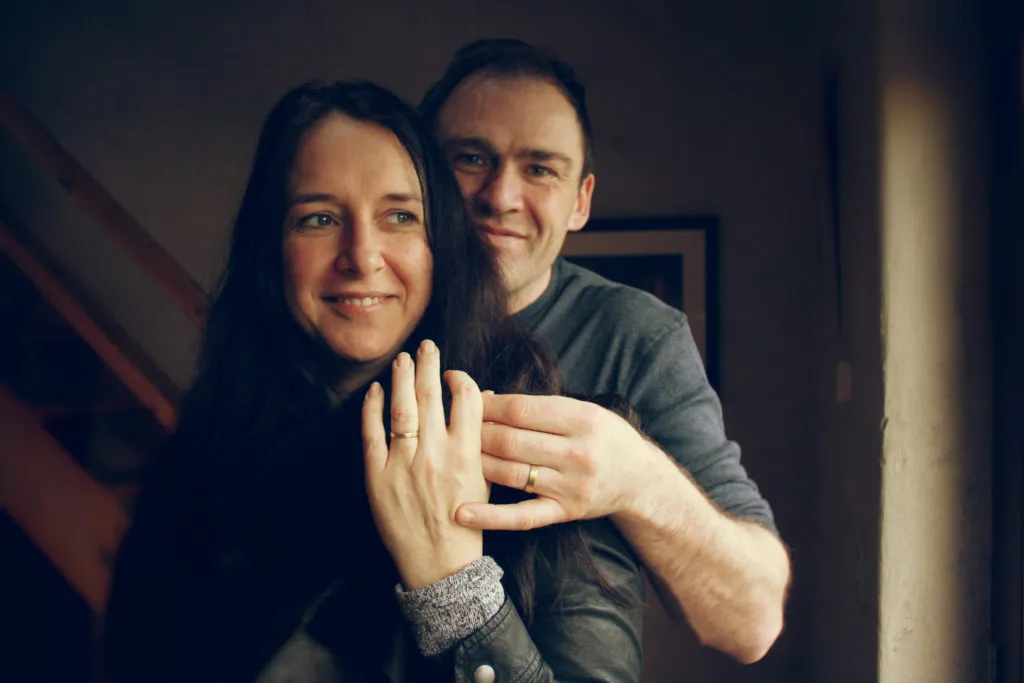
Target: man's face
[[516, 147]]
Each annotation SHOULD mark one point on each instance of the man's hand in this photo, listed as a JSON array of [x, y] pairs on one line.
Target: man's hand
[[727, 576], [591, 462]]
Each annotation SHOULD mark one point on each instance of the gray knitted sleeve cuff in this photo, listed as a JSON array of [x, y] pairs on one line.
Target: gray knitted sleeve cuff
[[449, 610]]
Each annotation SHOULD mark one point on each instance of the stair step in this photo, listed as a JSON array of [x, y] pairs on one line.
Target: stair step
[[57, 411], [57, 371], [24, 311], [47, 629], [115, 445]]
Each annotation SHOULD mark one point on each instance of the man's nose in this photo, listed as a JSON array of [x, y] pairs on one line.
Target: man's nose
[[501, 193]]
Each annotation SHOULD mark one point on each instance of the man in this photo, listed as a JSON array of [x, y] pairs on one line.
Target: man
[[513, 123]]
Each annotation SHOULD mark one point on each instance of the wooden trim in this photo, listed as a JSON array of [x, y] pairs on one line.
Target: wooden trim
[[111, 216], [71, 518], [122, 355]]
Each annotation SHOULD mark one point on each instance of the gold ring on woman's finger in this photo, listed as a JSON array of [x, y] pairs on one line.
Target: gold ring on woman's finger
[[404, 435], [531, 479]]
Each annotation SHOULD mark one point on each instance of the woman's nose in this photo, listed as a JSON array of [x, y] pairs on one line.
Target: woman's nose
[[361, 249]]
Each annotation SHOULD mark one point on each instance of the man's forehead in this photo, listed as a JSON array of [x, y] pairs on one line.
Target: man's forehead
[[519, 111]]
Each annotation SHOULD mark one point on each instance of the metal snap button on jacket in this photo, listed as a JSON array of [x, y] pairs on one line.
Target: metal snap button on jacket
[[484, 674]]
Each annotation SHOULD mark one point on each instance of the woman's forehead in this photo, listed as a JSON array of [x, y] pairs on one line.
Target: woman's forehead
[[341, 153]]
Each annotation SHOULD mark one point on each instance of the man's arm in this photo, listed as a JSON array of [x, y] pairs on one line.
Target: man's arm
[[728, 577]]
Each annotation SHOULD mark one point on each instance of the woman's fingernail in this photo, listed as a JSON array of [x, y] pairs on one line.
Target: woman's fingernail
[[428, 346], [403, 360], [373, 390], [488, 392], [466, 517]]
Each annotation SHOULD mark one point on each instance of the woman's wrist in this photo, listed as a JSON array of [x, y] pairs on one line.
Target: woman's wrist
[[446, 611], [422, 570]]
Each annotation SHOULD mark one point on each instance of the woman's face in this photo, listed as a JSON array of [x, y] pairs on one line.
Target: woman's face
[[358, 269]]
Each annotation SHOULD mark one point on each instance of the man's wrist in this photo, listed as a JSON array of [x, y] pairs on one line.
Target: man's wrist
[[667, 497], [640, 505]]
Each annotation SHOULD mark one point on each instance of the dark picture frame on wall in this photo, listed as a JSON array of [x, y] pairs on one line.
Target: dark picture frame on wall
[[673, 258]]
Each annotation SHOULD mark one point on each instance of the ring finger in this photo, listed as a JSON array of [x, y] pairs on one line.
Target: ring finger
[[404, 414], [517, 475], [524, 445]]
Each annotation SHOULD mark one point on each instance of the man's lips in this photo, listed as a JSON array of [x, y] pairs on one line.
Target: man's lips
[[499, 232]]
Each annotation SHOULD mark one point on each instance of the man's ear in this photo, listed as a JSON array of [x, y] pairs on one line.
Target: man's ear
[[581, 211]]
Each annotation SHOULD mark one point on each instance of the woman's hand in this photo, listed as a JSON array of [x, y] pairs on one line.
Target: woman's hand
[[416, 485]]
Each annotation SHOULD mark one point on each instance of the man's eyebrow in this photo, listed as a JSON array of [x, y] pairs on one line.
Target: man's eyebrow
[[545, 155], [477, 143]]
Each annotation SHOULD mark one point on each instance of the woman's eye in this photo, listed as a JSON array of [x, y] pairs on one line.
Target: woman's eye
[[316, 220], [402, 218]]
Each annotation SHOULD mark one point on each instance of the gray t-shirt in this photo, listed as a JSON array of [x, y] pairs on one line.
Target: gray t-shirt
[[614, 339]]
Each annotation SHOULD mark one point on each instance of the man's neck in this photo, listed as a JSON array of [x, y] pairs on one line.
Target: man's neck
[[521, 298]]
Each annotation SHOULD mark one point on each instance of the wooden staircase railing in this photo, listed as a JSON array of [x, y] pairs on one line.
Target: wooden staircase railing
[[119, 352], [108, 213], [72, 519]]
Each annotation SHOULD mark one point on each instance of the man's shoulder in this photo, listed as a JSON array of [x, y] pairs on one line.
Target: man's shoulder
[[590, 296]]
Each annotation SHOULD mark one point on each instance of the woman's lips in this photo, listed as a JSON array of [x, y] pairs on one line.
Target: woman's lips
[[352, 305]]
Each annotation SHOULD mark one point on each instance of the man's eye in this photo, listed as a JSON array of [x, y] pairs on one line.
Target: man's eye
[[468, 160], [540, 171], [316, 220]]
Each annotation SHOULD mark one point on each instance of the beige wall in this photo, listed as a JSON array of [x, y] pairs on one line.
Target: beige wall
[[937, 460], [903, 530]]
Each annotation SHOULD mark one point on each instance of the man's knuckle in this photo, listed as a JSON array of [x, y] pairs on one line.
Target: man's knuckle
[[524, 523], [519, 408], [581, 457], [510, 476], [510, 441]]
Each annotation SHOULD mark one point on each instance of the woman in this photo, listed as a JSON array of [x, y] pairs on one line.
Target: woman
[[264, 547]]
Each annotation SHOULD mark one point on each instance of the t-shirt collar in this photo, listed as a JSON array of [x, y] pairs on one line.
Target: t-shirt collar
[[534, 313]]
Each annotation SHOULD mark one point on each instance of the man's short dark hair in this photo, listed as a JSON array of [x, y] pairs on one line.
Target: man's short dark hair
[[509, 57]]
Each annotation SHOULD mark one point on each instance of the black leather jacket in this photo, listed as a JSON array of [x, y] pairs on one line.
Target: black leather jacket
[[586, 635], [219, 570]]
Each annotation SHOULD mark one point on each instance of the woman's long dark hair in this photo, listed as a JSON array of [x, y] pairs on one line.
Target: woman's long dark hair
[[259, 373]]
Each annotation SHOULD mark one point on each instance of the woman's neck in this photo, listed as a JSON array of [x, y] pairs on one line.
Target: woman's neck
[[354, 376]]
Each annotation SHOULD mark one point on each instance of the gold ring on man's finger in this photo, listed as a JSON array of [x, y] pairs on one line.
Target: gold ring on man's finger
[[531, 479], [405, 435]]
